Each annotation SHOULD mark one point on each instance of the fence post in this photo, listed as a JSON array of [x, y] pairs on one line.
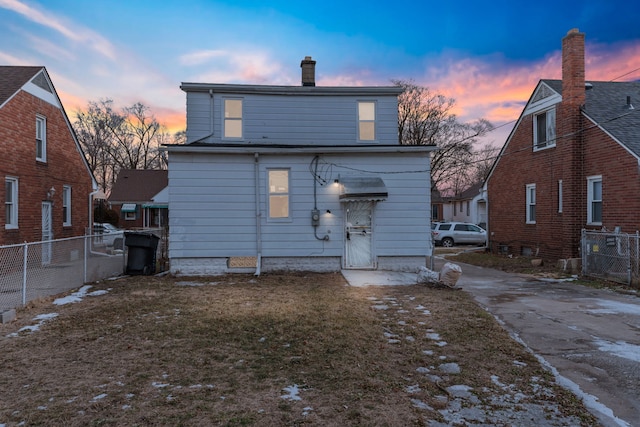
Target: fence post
[[584, 251], [628, 260], [84, 261], [24, 274]]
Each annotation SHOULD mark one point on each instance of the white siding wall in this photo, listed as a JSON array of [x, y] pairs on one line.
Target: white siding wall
[[294, 119], [212, 206]]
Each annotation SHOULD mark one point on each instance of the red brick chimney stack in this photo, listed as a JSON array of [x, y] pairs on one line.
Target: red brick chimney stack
[[573, 81], [308, 66]]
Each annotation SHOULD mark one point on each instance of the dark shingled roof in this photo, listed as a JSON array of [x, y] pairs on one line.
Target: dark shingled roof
[[606, 105], [138, 185], [13, 78]]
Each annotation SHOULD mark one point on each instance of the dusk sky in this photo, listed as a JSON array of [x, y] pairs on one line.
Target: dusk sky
[[487, 56]]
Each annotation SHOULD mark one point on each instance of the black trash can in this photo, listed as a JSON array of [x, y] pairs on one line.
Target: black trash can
[[141, 258]]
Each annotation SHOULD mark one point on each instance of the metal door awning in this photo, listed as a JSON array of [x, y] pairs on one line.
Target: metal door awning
[[354, 188], [128, 207]]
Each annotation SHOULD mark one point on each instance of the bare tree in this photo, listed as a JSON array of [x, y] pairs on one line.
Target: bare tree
[[426, 118], [114, 140], [93, 129]]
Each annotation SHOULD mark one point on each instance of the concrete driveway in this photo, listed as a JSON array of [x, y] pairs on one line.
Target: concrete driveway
[[589, 338]]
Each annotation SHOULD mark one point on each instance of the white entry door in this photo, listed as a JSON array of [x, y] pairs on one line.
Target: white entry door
[[47, 233], [359, 235]]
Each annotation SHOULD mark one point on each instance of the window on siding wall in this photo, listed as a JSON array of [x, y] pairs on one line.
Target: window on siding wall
[[41, 139], [531, 203], [278, 193], [11, 202], [233, 118], [366, 121], [544, 129], [66, 205], [594, 200]]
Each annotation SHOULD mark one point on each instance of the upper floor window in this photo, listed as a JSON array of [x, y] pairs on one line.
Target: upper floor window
[[544, 129], [11, 202], [233, 118], [366, 121], [594, 200], [66, 205], [41, 139], [278, 193], [531, 203]]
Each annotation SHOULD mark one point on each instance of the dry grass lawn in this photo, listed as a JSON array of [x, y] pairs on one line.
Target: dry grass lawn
[[240, 350]]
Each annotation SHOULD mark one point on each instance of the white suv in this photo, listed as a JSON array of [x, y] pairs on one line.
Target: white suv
[[448, 234]]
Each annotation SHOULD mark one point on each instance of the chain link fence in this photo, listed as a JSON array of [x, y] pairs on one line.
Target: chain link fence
[[611, 256], [30, 271]]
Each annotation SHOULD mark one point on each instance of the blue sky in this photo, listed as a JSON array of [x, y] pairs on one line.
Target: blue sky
[[488, 56]]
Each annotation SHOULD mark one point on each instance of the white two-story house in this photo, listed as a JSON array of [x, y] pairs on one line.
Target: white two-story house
[[303, 178]]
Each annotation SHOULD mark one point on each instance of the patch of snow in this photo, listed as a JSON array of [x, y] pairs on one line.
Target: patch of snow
[[73, 297], [423, 370], [433, 336], [159, 385], [412, 389], [517, 363], [41, 319], [614, 307], [293, 393], [620, 349], [306, 410], [99, 397], [427, 352], [421, 405], [380, 307], [410, 338], [449, 368]]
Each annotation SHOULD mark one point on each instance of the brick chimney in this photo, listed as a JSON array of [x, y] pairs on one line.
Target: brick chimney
[[308, 66], [573, 82]]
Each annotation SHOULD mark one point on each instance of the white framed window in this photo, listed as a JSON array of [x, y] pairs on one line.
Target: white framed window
[[544, 129], [232, 118], [559, 196], [594, 200], [11, 202], [66, 205], [41, 139], [531, 203], [279, 194], [366, 121]]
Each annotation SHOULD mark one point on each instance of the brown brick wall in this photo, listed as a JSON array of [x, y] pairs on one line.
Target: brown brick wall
[[557, 235], [64, 166]]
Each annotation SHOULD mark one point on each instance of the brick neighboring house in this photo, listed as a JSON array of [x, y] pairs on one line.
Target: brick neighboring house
[[139, 196], [47, 183], [571, 162]]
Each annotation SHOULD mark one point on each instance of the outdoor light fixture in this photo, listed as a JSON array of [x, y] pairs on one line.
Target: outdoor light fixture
[[51, 193]]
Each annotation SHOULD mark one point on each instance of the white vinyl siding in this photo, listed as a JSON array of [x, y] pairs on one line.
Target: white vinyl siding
[[11, 202], [212, 202], [41, 139], [544, 129], [531, 203], [66, 205], [594, 200], [366, 121], [294, 119]]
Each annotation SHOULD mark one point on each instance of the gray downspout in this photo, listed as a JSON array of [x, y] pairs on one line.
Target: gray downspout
[[258, 216]]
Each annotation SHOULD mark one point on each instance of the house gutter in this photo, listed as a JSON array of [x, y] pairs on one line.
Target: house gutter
[[258, 214]]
